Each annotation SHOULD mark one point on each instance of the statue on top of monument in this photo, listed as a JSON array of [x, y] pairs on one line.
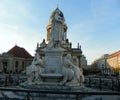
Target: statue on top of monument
[[57, 30]]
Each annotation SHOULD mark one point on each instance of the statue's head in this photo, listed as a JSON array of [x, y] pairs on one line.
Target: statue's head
[[68, 56], [58, 13]]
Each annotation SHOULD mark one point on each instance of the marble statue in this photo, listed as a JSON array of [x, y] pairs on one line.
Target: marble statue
[[30, 74], [35, 69], [43, 44], [65, 44], [72, 74], [58, 66], [57, 29]]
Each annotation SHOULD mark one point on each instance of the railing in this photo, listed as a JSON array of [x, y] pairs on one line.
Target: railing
[[76, 93], [93, 82], [103, 83], [12, 80]]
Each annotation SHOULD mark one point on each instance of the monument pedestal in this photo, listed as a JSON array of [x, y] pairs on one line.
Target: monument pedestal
[[53, 60], [52, 65]]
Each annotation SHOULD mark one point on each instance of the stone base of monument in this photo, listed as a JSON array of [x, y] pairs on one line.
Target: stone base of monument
[[53, 88], [53, 96], [46, 96]]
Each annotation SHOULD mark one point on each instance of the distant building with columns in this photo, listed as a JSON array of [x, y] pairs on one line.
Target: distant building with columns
[[84, 62], [102, 64], [15, 60]]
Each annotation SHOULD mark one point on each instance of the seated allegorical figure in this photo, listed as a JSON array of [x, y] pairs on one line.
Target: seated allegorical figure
[[72, 73], [35, 69]]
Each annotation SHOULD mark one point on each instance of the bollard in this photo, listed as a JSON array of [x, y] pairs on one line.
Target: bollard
[[100, 85], [6, 81], [77, 96], [28, 96], [112, 85], [118, 89], [89, 82]]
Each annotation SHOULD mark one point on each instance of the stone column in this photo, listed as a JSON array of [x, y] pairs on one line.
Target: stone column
[[79, 61], [1, 67]]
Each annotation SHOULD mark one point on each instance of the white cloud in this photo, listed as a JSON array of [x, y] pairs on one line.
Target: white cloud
[[81, 32], [8, 36], [11, 35], [94, 33], [12, 10], [11, 31], [23, 10]]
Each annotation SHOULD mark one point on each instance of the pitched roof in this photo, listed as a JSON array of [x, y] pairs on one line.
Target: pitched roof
[[17, 51]]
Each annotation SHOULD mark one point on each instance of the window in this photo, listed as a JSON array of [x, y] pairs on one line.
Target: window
[[5, 67], [102, 65], [23, 65], [16, 64]]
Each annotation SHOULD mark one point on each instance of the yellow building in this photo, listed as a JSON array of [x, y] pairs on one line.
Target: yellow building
[[114, 60]]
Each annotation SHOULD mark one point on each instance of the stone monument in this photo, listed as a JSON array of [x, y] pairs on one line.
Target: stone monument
[[56, 65], [53, 62]]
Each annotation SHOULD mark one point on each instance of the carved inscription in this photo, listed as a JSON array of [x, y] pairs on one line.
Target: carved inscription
[[53, 64], [53, 61]]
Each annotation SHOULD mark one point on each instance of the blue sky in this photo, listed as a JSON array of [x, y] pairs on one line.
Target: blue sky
[[95, 24]]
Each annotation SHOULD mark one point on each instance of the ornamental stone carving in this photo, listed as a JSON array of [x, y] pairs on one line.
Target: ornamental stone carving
[[35, 69], [53, 61]]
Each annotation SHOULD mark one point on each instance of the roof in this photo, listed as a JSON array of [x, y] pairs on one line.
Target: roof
[[17, 51], [115, 54]]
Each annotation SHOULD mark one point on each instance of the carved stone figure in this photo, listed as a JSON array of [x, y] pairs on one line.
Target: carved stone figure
[[78, 75], [57, 28], [38, 62], [72, 74], [65, 44], [43, 44], [30, 73], [35, 69]]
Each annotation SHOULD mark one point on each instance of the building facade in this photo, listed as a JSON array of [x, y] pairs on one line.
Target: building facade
[[114, 61], [102, 64], [83, 62], [102, 61], [15, 60]]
